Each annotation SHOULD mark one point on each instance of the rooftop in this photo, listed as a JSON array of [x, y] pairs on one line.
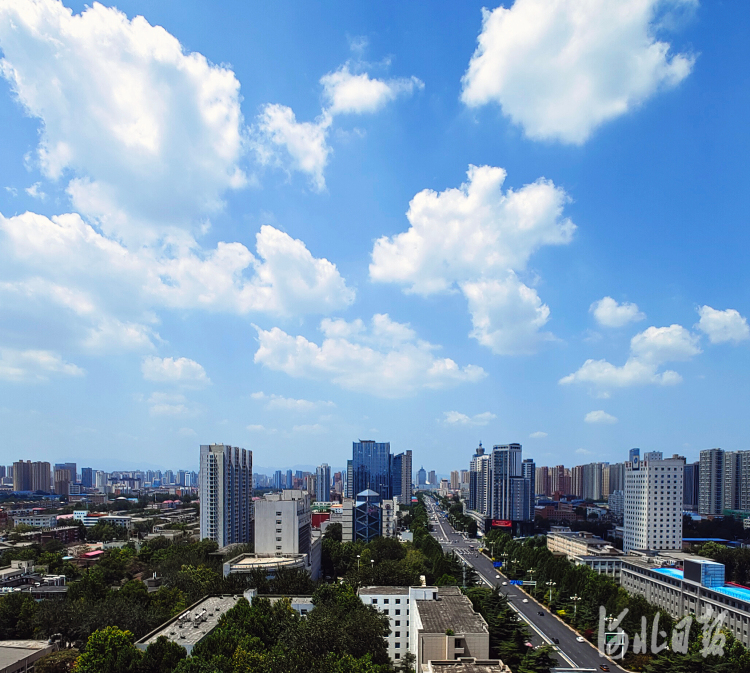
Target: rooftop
[[383, 591], [13, 652], [468, 665], [452, 610], [190, 627]]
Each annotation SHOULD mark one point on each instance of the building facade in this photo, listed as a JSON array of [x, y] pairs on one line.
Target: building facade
[[371, 462], [226, 494], [323, 483], [711, 476], [283, 523], [653, 503]]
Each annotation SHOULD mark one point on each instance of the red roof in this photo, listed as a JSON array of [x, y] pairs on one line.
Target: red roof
[[91, 554]]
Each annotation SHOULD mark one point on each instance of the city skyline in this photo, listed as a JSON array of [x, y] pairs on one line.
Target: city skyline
[[363, 231]]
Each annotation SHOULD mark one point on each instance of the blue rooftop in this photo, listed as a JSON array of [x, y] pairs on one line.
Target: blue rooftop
[[735, 592], [672, 572]]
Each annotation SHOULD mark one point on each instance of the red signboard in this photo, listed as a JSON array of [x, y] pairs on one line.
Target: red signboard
[[501, 523]]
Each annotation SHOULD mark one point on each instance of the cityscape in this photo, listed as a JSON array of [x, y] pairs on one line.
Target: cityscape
[[398, 337]]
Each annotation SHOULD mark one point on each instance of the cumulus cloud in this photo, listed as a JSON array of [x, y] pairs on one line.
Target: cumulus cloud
[[274, 401], [114, 335], [256, 428], [475, 238], [280, 140], [722, 326], [561, 69], [346, 92], [457, 418], [35, 191], [386, 359], [649, 350], [609, 313], [283, 279], [170, 370], [153, 134], [538, 435], [600, 417], [34, 365]]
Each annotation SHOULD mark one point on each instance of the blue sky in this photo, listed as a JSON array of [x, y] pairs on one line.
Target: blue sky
[[288, 227]]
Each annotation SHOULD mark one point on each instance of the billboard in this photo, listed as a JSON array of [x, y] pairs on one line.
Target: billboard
[[501, 523]]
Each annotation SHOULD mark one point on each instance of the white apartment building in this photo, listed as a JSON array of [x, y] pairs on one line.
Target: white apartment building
[[226, 493], [653, 503], [283, 523], [36, 520], [90, 519], [394, 602]]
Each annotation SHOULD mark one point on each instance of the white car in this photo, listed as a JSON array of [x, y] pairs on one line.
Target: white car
[[581, 639], [525, 600], [505, 584]]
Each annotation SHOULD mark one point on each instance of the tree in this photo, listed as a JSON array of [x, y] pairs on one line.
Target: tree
[[17, 612], [334, 531], [406, 665], [539, 660], [109, 650], [162, 656], [57, 662]]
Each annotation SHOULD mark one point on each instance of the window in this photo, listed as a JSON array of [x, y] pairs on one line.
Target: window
[[278, 513], [385, 612], [398, 622], [374, 601], [386, 601], [398, 612], [397, 645], [398, 634], [398, 601]]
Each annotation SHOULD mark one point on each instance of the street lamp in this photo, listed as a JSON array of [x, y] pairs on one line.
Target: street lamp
[[550, 584], [575, 598], [358, 557]]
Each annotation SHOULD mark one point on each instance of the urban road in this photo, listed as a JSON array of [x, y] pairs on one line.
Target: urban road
[[544, 627]]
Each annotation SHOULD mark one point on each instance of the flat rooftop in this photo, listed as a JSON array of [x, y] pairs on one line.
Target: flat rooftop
[[452, 610], [384, 591], [731, 590], [185, 629], [468, 666], [12, 652], [251, 561]]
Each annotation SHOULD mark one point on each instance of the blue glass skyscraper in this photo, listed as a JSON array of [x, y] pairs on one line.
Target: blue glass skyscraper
[[371, 464]]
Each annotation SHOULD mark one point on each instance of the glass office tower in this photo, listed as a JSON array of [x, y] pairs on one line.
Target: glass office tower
[[371, 464]]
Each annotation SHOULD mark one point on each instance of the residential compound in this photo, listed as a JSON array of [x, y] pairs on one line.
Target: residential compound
[[653, 502], [724, 479]]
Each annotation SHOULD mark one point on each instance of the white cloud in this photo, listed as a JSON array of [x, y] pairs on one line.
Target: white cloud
[[600, 417], [722, 326], [346, 92], [506, 315], [284, 279], [289, 403], [538, 435], [314, 429], [379, 361], [476, 238], [584, 452], [278, 139], [113, 335], [153, 133], [34, 365], [457, 418], [170, 370], [561, 69], [302, 146], [167, 404], [609, 313], [649, 350], [35, 191], [256, 428]]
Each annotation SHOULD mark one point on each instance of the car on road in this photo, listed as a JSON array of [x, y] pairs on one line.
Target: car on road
[[556, 641], [505, 584], [604, 667], [525, 600], [581, 639], [540, 613]]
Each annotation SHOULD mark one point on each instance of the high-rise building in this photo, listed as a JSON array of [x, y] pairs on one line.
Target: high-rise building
[[421, 478], [616, 477], [576, 481], [480, 482], [691, 485], [653, 503], [401, 476], [101, 481], [542, 481], [744, 479], [634, 453], [528, 469], [278, 481], [169, 477], [62, 482], [87, 477], [349, 492], [734, 478], [28, 476], [226, 494], [289, 479], [455, 480], [711, 498], [510, 490], [323, 483], [371, 462], [592, 481], [71, 467], [432, 479]]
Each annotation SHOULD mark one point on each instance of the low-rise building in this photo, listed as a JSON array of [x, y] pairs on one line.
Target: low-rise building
[[19, 656], [684, 584], [579, 543], [467, 665], [90, 519], [36, 520], [268, 563]]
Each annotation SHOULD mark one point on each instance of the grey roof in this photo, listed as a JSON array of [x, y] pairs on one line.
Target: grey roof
[[13, 652], [181, 629], [383, 591], [453, 611], [467, 666]]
